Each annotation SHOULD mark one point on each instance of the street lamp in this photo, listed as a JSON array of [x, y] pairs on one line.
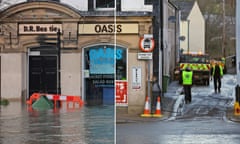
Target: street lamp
[[59, 61]]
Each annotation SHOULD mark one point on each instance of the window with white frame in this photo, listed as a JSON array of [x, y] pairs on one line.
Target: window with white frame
[[104, 4]]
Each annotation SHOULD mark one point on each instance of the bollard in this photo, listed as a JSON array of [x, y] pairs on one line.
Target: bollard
[[236, 104]]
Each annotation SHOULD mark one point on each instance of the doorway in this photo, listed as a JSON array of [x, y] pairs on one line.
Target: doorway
[[99, 75], [103, 65], [42, 70]]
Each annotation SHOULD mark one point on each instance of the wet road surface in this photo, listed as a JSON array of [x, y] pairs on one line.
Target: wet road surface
[[179, 132], [87, 125], [203, 121]]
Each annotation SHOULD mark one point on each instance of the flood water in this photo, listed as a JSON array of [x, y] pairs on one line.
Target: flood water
[[85, 125]]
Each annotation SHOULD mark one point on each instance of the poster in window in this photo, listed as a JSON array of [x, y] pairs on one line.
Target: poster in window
[[121, 93], [101, 60]]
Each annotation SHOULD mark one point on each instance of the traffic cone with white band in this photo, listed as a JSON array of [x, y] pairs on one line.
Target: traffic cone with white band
[[158, 112], [146, 112]]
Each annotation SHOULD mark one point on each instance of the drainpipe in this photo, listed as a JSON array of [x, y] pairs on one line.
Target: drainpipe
[[237, 92], [59, 61], [158, 59]]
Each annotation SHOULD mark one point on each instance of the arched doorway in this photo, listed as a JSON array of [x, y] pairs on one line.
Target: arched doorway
[[102, 65]]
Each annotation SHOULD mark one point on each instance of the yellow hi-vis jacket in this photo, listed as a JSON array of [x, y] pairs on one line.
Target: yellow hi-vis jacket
[[221, 70], [187, 77]]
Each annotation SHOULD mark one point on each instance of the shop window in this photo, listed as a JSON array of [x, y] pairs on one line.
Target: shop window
[[104, 5], [148, 2], [99, 60], [121, 64]]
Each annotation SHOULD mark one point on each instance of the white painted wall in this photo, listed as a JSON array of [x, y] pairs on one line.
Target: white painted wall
[[196, 31], [184, 32], [135, 5]]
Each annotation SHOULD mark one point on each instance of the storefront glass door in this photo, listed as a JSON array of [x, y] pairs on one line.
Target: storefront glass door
[[100, 73]]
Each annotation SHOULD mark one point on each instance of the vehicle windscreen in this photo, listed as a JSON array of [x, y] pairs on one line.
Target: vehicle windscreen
[[194, 59]]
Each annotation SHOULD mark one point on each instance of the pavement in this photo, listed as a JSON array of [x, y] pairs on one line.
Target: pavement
[[230, 115], [171, 101], [168, 102], [166, 108]]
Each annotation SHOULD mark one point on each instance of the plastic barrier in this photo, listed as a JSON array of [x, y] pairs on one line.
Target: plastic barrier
[[57, 97]]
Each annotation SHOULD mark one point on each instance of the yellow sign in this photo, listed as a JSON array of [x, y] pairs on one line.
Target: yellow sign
[[118, 28]]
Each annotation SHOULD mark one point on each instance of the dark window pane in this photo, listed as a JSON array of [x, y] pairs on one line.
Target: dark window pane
[[148, 2], [118, 5], [121, 64], [105, 4], [90, 5]]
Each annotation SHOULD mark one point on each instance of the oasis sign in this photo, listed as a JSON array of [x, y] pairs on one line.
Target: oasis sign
[[118, 28]]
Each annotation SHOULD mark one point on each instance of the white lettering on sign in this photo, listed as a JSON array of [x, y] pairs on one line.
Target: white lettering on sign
[[39, 28], [108, 28]]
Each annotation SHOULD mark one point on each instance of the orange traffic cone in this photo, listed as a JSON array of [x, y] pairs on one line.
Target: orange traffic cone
[[146, 112], [236, 109], [158, 108]]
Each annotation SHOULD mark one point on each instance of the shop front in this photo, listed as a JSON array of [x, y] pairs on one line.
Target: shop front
[[99, 72], [32, 57], [98, 59]]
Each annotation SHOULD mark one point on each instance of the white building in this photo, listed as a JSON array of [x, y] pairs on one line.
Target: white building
[[192, 27]]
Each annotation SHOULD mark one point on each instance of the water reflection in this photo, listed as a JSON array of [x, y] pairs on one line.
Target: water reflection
[[87, 125]]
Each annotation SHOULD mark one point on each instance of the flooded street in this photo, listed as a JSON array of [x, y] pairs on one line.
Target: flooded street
[[86, 125], [203, 121]]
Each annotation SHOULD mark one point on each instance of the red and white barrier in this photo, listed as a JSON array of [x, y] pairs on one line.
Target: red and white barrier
[[56, 98]]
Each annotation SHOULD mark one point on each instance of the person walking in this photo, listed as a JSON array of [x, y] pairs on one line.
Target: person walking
[[217, 74], [187, 76]]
